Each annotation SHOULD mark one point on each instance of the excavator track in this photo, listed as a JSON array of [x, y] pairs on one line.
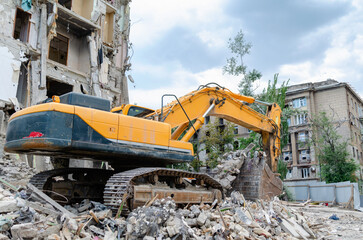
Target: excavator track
[[75, 184], [128, 181], [140, 184]]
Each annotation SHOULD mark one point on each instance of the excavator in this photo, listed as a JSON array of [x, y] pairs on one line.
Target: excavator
[[139, 143]]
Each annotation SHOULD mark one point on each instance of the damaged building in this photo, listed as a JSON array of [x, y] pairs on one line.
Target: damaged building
[[54, 47]]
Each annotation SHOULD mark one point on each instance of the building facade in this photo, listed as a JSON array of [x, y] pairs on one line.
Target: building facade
[[51, 47], [342, 104]]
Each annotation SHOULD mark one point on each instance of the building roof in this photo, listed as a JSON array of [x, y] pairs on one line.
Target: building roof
[[320, 86]]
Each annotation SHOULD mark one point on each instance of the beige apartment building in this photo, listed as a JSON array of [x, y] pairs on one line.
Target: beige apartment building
[[342, 104], [51, 47]]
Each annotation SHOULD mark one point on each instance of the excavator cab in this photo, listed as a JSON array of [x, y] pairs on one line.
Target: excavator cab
[[132, 110]]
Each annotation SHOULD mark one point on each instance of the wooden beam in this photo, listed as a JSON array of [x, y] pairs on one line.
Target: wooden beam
[[49, 200]]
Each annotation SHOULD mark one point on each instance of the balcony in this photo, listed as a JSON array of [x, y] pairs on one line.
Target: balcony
[[79, 25]]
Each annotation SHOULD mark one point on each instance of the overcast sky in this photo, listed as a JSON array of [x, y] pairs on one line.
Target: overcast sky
[[178, 45]]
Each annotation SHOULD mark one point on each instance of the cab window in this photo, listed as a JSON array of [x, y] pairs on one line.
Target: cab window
[[138, 112]]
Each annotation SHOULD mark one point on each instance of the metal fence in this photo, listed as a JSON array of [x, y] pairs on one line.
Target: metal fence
[[345, 193]]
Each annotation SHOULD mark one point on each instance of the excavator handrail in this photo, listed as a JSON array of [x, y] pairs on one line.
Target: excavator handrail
[[161, 114]]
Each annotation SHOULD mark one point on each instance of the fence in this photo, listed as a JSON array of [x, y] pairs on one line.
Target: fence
[[345, 193]]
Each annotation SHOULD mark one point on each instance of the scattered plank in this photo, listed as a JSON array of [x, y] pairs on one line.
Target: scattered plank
[[49, 200]]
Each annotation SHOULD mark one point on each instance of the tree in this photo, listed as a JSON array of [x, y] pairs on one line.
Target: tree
[[235, 65], [217, 139], [282, 169], [239, 47], [335, 164]]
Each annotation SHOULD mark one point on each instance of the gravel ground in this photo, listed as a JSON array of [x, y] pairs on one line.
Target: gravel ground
[[349, 226]]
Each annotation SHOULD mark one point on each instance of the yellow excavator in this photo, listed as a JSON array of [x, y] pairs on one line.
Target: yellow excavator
[[137, 142]]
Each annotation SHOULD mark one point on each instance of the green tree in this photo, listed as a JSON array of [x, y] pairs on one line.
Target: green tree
[[282, 169], [218, 139], [239, 47], [335, 164]]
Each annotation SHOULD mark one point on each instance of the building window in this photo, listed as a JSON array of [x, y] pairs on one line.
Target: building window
[[356, 137], [304, 156], [21, 92], [356, 108], [302, 136], [289, 173], [235, 130], [221, 121], [287, 156], [289, 122], [305, 172], [57, 88], [66, 3], [58, 49], [235, 145], [300, 119], [299, 102], [22, 25], [353, 152], [108, 25]]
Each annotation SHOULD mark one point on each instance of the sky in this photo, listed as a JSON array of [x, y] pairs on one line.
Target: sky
[[177, 45]]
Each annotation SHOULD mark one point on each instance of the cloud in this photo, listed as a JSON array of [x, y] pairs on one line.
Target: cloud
[[151, 19], [182, 83], [342, 60], [180, 45]]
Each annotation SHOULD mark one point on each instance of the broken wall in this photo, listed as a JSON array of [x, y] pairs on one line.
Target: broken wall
[[93, 67]]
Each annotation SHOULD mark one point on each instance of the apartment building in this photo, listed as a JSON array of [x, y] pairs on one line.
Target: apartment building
[[341, 103], [51, 47]]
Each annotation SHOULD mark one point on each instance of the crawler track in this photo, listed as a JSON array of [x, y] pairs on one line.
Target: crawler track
[[91, 183], [123, 182], [75, 184]]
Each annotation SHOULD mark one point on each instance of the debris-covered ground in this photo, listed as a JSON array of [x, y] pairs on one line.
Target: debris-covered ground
[[23, 216], [333, 222], [28, 214]]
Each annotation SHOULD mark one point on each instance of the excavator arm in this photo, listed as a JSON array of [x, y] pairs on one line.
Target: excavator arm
[[222, 103]]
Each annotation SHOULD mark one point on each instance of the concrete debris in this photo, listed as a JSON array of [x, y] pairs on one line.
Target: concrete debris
[[230, 165], [234, 218], [16, 172]]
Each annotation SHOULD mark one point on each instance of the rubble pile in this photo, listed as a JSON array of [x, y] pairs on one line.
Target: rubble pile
[[230, 164], [235, 218], [32, 216], [15, 171]]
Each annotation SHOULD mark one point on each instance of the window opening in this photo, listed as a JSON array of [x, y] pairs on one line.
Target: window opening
[[236, 145], [57, 88], [22, 25], [305, 172], [235, 130], [207, 119], [299, 102], [66, 3], [108, 25], [221, 121], [22, 90], [58, 49], [300, 119]]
